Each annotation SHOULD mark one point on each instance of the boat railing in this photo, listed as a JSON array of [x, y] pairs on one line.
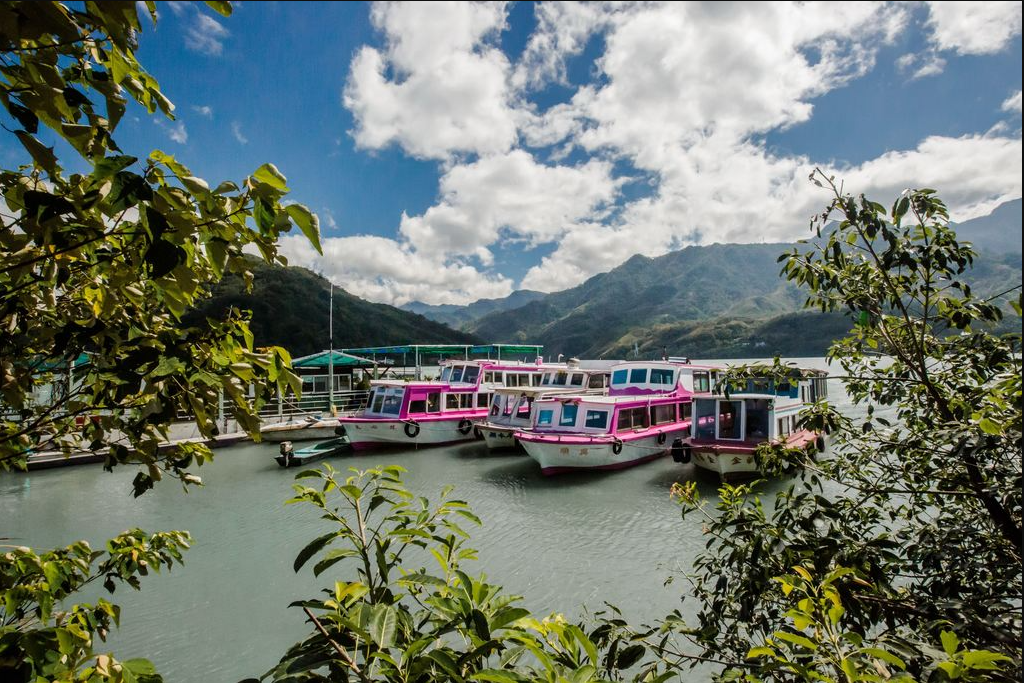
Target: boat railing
[[289, 407]]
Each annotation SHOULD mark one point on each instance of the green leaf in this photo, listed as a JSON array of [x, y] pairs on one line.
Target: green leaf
[[268, 173], [315, 546], [308, 223], [383, 619], [950, 643]]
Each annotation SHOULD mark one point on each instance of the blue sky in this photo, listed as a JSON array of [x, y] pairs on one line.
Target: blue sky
[[456, 151]]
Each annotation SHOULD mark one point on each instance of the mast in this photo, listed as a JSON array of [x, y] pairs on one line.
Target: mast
[[330, 354]]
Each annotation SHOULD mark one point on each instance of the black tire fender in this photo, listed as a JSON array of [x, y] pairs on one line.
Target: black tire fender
[[662, 437], [412, 430], [340, 431], [617, 447], [681, 452], [465, 426]]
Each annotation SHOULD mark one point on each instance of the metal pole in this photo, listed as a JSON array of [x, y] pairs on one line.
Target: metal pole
[[330, 356], [417, 350]]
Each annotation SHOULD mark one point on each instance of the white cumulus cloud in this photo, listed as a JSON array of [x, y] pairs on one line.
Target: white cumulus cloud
[[974, 28]]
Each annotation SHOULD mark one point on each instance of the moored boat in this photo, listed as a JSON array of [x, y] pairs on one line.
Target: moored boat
[[301, 429], [646, 411], [512, 407], [727, 431], [289, 457], [431, 413]]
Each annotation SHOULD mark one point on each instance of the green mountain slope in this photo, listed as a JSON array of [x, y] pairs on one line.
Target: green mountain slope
[[290, 308]]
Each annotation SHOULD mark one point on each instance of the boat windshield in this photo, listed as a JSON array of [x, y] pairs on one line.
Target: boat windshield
[[445, 374], [471, 375]]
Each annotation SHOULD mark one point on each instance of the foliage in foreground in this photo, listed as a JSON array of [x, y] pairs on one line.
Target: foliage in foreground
[[102, 264], [920, 501]]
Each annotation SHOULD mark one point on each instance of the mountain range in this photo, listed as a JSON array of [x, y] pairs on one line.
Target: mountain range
[[720, 300], [714, 301]]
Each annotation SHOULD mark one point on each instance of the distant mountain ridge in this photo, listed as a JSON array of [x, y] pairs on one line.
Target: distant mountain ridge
[[290, 308], [718, 300], [455, 315]]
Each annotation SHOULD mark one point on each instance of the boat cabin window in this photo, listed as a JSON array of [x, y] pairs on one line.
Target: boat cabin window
[[492, 377], [483, 399], [597, 382], [535, 379], [466, 401], [546, 380], [451, 401], [417, 407], [729, 419], [620, 377], [761, 386], [544, 417], [631, 418], [758, 416], [471, 375], [685, 411], [576, 380], [638, 376], [663, 414], [456, 374], [662, 376], [523, 408], [378, 401], [434, 403], [506, 409], [597, 419], [707, 418], [446, 374], [783, 424], [568, 417], [392, 401], [559, 379], [701, 382]]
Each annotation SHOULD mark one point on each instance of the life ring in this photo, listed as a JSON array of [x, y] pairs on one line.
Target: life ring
[[819, 443], [340, 430], [662, 437], [465, 426], [617, 447], [681, 453], [412, 430]]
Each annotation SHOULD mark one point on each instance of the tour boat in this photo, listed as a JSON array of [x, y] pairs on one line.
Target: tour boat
[[512, 407], [431, 413], [646, 413], [728, 430]]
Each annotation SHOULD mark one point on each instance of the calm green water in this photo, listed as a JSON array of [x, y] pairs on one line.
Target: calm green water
[[567, 543]]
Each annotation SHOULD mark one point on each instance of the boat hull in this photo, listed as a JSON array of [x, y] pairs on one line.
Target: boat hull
[[364, 433], [575, 453], [303, 456], [736, 460], [498, 437]]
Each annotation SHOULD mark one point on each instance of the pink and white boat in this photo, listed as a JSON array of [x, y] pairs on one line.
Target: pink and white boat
[[727, 431], [512, 408], [646, 411], [431, 413]]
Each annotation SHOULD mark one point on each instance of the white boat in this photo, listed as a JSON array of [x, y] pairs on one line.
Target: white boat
[[301, 429], [430, 413], [512, 407], [728, 431], [645, 414]]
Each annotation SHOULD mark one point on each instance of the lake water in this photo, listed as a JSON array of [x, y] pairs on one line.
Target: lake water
[[567, 543]]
